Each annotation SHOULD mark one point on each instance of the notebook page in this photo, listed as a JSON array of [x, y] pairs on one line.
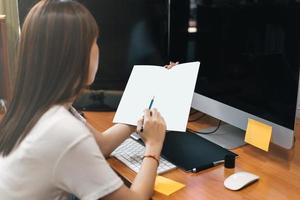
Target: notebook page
[[173, 90]]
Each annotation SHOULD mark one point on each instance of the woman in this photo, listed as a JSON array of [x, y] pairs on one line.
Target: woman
[[45, 151]]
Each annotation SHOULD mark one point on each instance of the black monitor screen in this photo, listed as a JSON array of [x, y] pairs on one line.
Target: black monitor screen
[[131, 32], [250, 56]]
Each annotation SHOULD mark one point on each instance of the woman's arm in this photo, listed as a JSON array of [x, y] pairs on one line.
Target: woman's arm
[[143, 184], [115, 135], [153, 136], [112, 137]]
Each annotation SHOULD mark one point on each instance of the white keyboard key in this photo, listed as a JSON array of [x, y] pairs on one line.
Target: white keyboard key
[[131, 153]]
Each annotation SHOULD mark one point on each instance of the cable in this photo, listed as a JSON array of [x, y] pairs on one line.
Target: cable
[[192, 112], [197, 118], [198, 132]]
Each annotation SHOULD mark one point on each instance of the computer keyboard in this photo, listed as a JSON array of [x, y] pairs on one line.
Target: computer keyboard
[[131, 153]]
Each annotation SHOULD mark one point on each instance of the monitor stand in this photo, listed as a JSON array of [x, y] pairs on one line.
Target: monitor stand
[[227, 136]]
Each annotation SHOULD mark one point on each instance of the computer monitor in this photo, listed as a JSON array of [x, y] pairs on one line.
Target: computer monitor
[[250, 58], [179, 22], [131, 32]]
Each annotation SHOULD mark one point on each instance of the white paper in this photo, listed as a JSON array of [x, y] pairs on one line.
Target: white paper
[[173, 90]]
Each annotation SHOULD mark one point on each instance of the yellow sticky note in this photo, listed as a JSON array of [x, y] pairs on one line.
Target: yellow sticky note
[[167, 186], [258, 134]]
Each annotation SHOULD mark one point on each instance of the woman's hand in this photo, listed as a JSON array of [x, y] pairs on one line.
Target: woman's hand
[[154, 128], [132, 128], [172, 64]]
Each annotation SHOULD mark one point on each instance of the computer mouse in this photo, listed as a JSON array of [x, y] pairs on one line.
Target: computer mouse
[[239, 180]]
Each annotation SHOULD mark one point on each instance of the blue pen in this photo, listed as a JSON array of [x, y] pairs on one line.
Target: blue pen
[[150, 106], [151, 103]]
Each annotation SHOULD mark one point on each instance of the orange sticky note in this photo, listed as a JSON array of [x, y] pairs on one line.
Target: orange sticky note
[[166, 186], [258, 134]]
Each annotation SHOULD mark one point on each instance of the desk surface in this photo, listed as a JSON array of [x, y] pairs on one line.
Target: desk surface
[[279, 170]]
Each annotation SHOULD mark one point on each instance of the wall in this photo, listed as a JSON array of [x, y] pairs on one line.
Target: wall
[[4, 81], [10, 9]]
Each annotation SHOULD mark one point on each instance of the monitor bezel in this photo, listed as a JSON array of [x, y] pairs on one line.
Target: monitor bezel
[[282, 136]]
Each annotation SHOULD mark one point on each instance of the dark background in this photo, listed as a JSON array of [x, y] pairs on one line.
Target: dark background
[[249, 49]]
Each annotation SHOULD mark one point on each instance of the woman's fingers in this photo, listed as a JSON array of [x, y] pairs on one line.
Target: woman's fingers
[[147, 114], [172, 64], [140, 125], [154, 113]]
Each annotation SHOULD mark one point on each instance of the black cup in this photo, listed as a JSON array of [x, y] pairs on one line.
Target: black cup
[[229, 161]]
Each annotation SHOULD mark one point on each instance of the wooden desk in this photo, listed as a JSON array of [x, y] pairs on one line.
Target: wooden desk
[[279, 170]]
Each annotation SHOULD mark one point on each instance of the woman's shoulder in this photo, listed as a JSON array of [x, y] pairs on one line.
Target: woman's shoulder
[[59, 124], [56, 132]]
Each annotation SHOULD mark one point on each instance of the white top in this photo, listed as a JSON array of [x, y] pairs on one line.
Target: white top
[[58, 157]]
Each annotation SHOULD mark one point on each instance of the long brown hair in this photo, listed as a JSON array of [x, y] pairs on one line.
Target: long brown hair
[[53, 65]]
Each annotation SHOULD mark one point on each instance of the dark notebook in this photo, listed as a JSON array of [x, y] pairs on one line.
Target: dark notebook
[[189, 151]]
